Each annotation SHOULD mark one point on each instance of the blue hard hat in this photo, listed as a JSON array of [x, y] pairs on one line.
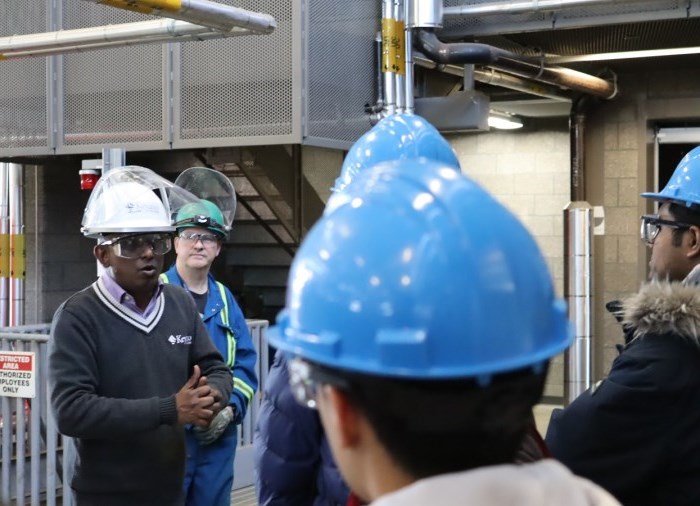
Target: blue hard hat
[[396, 137], [684, 186], [415, 271]]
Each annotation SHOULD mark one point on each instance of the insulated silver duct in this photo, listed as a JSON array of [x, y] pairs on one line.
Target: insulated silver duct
[[388, 56], [4, 245], [486, 9], [214, 15], [578, 290], [578, 263], [424, 14], [17, 245], [100, 37], [461, 53]]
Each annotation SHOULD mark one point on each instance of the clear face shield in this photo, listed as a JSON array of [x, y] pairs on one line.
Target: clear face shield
[[211, 185]]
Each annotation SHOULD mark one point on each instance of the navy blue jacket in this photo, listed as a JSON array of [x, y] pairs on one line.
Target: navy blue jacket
[[637, 433], [293, 462]]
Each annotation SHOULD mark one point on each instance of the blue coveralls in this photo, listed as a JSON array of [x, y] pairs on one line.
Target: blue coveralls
[[209, 475]]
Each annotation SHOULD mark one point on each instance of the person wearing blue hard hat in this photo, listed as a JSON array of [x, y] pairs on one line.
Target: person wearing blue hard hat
[[635, 433], [293, 462], [397, 137], [420, 319]]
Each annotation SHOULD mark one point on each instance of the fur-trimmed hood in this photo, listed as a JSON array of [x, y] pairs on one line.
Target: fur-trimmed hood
[[664, 308]]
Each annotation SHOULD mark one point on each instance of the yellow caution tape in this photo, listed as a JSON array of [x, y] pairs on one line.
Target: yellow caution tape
[[18, 256], [393, 42], [2, 57], [145, 6]]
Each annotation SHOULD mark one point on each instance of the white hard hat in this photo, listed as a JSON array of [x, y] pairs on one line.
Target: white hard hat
[[132, 200]]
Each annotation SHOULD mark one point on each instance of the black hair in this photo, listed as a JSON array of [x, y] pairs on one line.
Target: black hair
[[443, 426], [684, 214]]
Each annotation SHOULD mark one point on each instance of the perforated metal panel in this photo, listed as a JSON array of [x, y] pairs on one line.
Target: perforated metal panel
[[341, 70], [23, 109], [241, 89], [111, 95]]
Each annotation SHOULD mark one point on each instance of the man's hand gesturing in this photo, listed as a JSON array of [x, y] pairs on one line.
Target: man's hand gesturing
[[195, 401]]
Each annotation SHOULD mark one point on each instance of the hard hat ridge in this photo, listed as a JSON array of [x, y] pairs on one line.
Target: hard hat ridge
[[416, 271], [132, 199], [398, 136]]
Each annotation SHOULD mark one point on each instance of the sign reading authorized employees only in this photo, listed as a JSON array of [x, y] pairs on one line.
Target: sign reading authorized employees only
[[17, 374]]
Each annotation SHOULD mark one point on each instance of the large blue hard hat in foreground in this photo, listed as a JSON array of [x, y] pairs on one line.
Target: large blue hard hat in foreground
[[684, 186], [415, 271], [396, 137]]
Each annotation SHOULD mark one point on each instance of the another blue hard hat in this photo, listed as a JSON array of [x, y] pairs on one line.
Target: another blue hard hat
[[415, 271], [684, 186], [396, 137]]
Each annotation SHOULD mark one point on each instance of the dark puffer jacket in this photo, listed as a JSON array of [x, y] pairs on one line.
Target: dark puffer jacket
[[637, 433], [293, 462]]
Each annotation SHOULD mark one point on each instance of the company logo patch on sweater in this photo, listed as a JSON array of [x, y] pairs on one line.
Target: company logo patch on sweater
[[180, 339]]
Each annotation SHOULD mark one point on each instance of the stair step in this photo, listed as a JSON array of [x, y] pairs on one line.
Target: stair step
[[253, 232]]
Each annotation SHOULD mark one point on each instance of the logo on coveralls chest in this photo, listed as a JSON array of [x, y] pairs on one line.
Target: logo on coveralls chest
[[180, 339]]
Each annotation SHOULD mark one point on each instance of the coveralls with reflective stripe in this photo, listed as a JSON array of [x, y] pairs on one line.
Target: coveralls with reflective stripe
[[209, 476]]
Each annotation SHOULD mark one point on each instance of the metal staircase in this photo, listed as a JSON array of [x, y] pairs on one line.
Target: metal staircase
[[275, 207]]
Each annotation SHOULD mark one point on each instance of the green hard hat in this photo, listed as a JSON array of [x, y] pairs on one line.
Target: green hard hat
[[203, 214]]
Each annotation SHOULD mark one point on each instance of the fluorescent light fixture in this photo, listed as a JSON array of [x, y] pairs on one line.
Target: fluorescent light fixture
[[504, 121]]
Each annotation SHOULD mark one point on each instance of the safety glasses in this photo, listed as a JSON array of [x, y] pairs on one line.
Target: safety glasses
[[305, 380], [134, 245], [651, 226], [192, 238]]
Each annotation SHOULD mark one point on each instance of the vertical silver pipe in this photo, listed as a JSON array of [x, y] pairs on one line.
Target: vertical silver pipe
[[389, 82], [400, 77], [408, 65], [4, 246], [424, 13], [20, 443], [51, 433], [113, 158], [578, 291], [17, 245]]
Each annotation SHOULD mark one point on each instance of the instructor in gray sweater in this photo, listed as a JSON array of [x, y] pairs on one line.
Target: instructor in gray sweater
[[130, 361]]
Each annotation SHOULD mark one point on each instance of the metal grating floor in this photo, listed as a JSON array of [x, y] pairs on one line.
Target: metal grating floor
[[244, 497]]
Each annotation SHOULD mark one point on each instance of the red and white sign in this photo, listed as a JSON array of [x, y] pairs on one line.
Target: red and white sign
[[17, 374]]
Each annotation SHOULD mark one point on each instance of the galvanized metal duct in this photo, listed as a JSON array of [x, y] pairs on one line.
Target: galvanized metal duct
[[511, 63], [524, 6], [200, 12], [578, 263], [100, 37]]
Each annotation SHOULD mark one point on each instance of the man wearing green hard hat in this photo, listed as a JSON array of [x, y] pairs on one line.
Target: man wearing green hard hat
[[201, 229]]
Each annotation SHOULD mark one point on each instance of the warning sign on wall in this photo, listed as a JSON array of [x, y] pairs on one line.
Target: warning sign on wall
[[17, 374]]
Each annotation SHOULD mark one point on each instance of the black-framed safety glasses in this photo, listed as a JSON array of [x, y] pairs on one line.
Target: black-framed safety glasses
[[133, 245], [193, 237], [305, 380], [651, 226]]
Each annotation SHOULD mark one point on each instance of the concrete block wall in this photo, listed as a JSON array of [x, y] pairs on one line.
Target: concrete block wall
[[529, 172], [64, 263]]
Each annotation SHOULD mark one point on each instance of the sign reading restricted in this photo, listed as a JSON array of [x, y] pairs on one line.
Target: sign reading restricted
[[17, 374]]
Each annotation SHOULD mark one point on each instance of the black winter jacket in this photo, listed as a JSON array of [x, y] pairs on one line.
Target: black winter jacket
[[637, 433]]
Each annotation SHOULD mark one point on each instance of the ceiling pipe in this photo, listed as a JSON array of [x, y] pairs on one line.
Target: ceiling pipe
[[512, 63], [495, 78], [524, 6], [214, 15], [101, 37]]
